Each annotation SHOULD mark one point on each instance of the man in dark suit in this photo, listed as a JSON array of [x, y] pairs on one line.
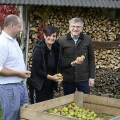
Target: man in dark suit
[[75, 44]]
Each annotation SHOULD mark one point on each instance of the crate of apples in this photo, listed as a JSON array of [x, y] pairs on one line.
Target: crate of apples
[[73, 111]]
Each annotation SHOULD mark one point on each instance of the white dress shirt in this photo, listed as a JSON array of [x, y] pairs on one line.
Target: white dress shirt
[[11, 57]]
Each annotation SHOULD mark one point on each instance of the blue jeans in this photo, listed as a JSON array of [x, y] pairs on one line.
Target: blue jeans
[[12, 97], [70, 87]]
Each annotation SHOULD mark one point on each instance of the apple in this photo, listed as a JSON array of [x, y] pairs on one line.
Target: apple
[[59, 75], [83, 57], [72, 110]]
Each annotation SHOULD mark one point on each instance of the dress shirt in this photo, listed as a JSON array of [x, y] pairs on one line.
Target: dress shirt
[[75, 40], [11, 57]]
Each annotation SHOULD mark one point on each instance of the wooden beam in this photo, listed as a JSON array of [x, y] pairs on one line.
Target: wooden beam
[[107, 45]]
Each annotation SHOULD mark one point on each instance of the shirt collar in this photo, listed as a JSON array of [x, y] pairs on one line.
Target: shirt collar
[[75, 38], [7, 36]]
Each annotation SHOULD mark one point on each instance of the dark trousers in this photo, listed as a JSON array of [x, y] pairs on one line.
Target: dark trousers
[[46, 93], [70, 87], [38, 96]]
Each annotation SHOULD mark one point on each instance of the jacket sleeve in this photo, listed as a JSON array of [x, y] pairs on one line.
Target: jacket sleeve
[[37, 63], [62, 64], [91, 60]]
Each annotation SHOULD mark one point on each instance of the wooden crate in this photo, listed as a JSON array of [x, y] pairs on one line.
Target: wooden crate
[[93, 103]]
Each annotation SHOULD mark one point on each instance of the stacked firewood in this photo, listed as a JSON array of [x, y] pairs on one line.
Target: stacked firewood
[[99, 27], [107, 82], [107, 59]]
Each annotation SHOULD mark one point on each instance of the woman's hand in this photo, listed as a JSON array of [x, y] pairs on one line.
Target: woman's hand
[[55, 77]]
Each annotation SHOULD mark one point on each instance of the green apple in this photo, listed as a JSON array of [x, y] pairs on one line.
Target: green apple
[[69, 106], [83, 57], [65, 109], [59, 75]]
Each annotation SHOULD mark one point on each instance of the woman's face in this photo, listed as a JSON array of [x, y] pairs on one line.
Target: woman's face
[[50, 39]]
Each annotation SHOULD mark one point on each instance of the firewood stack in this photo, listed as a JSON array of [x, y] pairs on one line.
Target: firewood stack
[[107, 82], [107, 59], [98, 26]]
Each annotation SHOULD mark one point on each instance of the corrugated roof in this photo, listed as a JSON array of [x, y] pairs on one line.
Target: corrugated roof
[[76, 3]]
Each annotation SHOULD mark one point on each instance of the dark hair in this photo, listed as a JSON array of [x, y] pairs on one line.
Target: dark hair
[[11, 19], [50, 30]]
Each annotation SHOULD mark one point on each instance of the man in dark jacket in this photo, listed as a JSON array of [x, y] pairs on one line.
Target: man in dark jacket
[[75, 44]]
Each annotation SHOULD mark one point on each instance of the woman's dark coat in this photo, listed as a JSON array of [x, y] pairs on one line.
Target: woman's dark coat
[[38, 71]]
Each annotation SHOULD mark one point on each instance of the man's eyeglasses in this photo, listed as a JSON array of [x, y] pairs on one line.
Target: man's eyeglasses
[[76, 27]]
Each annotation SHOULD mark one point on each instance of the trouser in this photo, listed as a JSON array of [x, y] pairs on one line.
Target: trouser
[[12, 97], [70, 87]]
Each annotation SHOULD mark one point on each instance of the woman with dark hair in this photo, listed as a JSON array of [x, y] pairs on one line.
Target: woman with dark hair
[[46, 63]]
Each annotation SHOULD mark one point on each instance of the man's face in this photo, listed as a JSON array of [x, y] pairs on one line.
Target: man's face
[[17, 28], [75, 29]]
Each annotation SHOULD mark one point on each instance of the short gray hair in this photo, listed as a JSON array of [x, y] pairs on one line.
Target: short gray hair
[[75, 20]]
